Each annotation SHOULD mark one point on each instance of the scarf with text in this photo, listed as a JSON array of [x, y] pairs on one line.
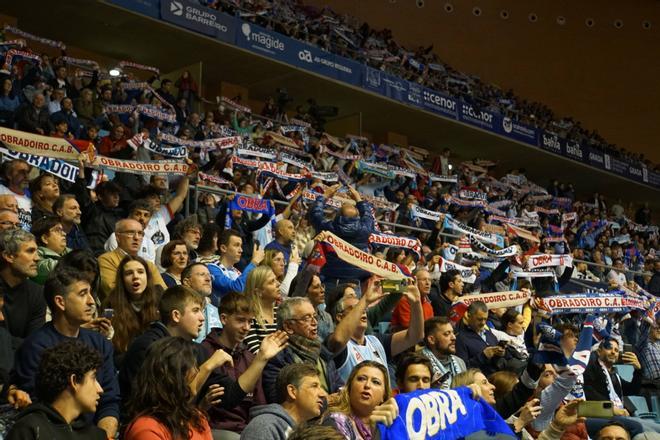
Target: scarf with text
[[29, 36], [487, 237], [506, 252]]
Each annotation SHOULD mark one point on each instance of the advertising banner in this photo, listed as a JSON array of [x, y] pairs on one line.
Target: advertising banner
[[195, 17]]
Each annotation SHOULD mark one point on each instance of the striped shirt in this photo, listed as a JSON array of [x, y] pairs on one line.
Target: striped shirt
[[257, 333]]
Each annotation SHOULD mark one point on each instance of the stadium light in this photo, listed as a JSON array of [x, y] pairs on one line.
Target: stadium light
[[114, 72]]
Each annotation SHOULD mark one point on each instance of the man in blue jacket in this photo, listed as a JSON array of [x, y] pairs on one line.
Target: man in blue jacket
[[69, 297], [354, 223]]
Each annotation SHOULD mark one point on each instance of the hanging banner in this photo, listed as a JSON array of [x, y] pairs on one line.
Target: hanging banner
[[497, 300], [546, 260], [58, 148], [443, 415], [364, 260]]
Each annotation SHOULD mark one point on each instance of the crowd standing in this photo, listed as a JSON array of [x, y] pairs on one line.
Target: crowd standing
[[126, 314]]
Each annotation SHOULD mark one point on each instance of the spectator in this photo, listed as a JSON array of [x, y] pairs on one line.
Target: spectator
[[116, 143], [440, 349], [66, 114], [140, 210], [67, 209], [207, 251], [129, 236], [297, 317], [275, 260], [263, 291], [67, 387], [475, 343], [413, 372], [355, 224], [352, 345], [198, 278], [601, 381], [401, 314], [654, 283], [69, 298], [300, 397], [451, 288], [133, 303], [88, 108], [174, 259], [24, 307], [285, 234], [365, 397], [226, 278], [33, 116], [309, 285], [9, 103], [236, 314], [616, 276], [99, 218], [16, 184], [51, 240], [190, 232], [162, 401], [45, 189], [8, 220]]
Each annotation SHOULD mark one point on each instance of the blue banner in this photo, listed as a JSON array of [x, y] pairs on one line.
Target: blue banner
[[387, 85], [443, 415], [518, 131], [484, 119], [150, 8], [193, 16]]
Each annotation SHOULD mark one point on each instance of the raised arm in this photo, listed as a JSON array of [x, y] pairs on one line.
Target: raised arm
[[405, 339]]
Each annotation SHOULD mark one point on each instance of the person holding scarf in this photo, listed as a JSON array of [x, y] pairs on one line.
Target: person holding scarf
[[365, 401], [298, 318]]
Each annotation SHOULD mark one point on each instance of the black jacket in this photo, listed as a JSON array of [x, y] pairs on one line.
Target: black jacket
[[245, 228], [41, 422], [595, 382], [24, 309]]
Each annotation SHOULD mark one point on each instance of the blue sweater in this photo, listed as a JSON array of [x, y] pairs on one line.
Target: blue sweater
[[28, 357]]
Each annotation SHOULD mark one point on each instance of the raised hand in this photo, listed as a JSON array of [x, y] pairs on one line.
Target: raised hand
[[567, 415], [257, 255], [373, 292], [273, 344], [412, 293], [295, 256], [330, 191], [385, 413], [220, 358]]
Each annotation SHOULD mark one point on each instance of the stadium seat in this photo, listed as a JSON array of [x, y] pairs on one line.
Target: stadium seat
[[625, 372], [655, 405], [641, 407]]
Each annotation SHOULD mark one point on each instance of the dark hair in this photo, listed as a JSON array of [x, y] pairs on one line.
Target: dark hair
[[226, 235], [235, 302], [432, 324], [564, 327], [448, 277], [176, 298], [166, 255], [477, 306], [161, 388], [108, 187], [292, 374], [35, 185], [83, 261], [392, 254], [612, 423], [126, 321], [209, 231], [408, 360], [61, 200], [186, 224], [508, 317], [58, 363], [59, 281], [42, 227], [141, 204], [301, 282]]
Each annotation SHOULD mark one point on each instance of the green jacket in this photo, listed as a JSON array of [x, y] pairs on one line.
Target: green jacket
[[48, 259]]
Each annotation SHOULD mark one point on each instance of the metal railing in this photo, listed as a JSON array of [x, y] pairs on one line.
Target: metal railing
[[196, 189]]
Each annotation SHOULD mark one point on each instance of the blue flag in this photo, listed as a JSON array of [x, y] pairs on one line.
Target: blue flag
[[443, 414]]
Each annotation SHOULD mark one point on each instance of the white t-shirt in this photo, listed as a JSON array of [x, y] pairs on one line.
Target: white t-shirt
[[157, 228], [24, 207]]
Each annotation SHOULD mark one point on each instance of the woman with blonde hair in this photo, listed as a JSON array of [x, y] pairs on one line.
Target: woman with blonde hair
[[263, 291], [364, 401], [274, 259]]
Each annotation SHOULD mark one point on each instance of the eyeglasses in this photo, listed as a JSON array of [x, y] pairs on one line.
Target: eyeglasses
[[132, 233], [307, 318], [58, 230], [7, 223]]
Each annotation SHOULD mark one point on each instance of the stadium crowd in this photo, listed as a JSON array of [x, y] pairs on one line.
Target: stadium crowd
[[352, 38], [278, 301]]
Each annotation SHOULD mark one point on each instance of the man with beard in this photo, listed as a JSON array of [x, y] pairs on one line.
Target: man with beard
[[16, 181], [67, 208], [24, 308], [451, 287], [236, 316], [440, 349], [602, 382], [197, 277]]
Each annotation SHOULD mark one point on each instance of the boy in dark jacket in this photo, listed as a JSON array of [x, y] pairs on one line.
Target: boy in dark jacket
[[66, 388]]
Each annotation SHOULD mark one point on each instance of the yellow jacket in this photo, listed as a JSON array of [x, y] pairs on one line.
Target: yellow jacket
[[108, 265]]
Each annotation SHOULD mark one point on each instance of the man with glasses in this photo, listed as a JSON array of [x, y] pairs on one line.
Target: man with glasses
[[9, 220], [298, 318], [129, 234], [140, 210], [197, 277]]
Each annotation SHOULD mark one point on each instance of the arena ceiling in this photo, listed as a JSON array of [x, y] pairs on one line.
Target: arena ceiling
[[117, 35]]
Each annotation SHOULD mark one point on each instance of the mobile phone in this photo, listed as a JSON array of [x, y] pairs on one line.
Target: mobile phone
[[393, 286], [108, 313], [628, 348], [602, 409], [503, 344]]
